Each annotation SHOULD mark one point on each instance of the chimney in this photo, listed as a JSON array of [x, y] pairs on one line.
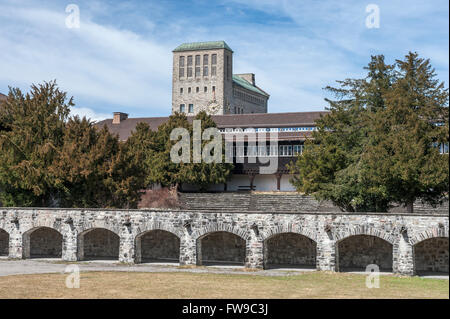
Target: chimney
[[249, 77], [119, 117]]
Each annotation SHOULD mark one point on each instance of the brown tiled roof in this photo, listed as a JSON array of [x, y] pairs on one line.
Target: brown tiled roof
[[255, 120], [2, 97]]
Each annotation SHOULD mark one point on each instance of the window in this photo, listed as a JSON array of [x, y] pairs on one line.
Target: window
[[197, 89], [205, 89], [189, 90], [181, 75], [181, 61], [181, 90], [197, 71], [189, 66], [214, 89], [191, 108], [205, 59], [181, 66], [181, 108], [285, 150], [197, 60], [298, 149], [205, 70], [213, 64]]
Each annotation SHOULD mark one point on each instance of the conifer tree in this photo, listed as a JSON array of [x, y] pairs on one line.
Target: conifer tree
[[33, 132]]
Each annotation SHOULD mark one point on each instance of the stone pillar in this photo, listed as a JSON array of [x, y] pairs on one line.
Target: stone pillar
[[252, 179], [15, 244], [188, 250], [254, 253], [70, 244], [403, 256], [326, 253], [126, 245], [278, 176]]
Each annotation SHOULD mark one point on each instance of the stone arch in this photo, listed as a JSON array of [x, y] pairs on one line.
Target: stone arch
[[433, 232], [160, 226], [98, 243], [221, 247], [221, 227], [157, 245], [288, 228], [42, 242], [356, 252], [363, 230], [289, 249], [100, 223], [4, 242]]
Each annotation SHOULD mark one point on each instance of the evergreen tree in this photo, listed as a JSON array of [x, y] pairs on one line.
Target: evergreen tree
[[204, 174], [375, 147], [33, 132], [401, 155], [162, 170]]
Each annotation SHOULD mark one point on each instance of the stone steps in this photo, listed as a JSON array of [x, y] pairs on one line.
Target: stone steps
[[291, 203]]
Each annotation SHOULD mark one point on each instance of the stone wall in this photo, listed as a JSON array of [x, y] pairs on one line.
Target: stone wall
[[45, 242], [290, 249], [100, 243], [357, 252], [432, 255], [4, 239], [221, 247], [159, 245], [326, 229]]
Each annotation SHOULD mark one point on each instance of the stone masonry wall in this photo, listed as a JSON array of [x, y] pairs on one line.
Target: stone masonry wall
[[290, 249], [160, 245], [432, 255], [222, 247], [45, 242], [100, 243], [357, 252], [326, 229], [4, 239]]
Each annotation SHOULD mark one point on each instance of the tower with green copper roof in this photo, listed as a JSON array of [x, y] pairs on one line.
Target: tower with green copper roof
[[203, 80]]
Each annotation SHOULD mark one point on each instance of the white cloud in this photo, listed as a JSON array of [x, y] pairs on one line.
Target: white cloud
[[120, 59], [89, 114]]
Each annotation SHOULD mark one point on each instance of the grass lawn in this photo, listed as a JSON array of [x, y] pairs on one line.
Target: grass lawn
[[194, 285]]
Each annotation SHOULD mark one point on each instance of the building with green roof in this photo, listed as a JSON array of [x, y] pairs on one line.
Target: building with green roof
[[203, 80]]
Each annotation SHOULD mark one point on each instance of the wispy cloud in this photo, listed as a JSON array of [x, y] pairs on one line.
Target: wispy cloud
[[120, 59]]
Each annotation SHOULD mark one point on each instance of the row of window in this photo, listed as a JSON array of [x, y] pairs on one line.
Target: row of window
[[190, 108], [197, 89], [266, 129], [267, 151], [247, 97], [443, 147], [238, 110], [198, 67]]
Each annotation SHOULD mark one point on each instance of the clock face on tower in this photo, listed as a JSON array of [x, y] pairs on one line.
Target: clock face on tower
[[212, 107]]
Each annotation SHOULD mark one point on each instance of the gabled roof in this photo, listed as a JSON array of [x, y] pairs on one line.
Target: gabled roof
[[247, 85], [255, 120], [210, 45]]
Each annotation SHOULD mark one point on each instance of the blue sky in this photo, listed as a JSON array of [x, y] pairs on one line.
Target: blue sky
[[120, 57]]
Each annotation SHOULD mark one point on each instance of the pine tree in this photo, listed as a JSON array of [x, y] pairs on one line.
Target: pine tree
[[204, 174], [376, 145], [401, 155], [33, 133]]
